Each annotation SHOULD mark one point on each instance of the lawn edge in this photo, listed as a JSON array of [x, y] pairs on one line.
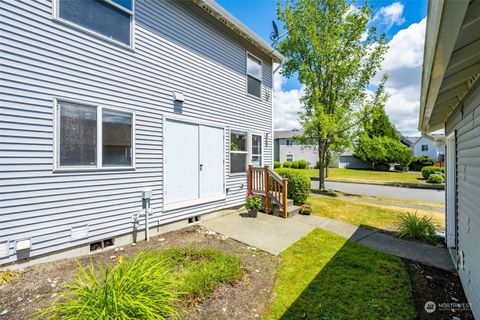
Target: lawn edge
[[389, 183]]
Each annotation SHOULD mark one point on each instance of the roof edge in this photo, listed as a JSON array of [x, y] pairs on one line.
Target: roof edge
[[222, 15]]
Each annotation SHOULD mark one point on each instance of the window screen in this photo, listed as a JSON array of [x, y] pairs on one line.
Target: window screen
[[116, 138], [78, 135], [238, 152], [99, 16], [254, 76]]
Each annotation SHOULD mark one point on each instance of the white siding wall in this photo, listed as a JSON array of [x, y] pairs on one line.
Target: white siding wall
[[466, 123], [432, 149], [177, 47], [299, 152]]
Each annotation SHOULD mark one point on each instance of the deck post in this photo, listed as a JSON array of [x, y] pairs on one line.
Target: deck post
[[266, 189], [249, 179], [284, 197]]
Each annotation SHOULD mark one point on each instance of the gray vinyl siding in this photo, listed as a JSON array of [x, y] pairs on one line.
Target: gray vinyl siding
[[466, 123], [177, 47]]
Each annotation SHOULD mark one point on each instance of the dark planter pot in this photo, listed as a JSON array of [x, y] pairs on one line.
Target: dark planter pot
[[306, 212], [253, 213]]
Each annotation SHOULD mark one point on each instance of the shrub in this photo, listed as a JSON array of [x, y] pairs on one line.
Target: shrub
[[427, 171], [199, 271], [381, 167], [298, 184], [302, 164], [287, 164], [140, 288], [419, 162], [419, 228], [277, 164], [317, 165], [436, 178], [400, 168], [253, 202], [295, 165]]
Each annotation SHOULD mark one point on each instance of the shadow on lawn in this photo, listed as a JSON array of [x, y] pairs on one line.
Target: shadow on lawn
[[357, 282]]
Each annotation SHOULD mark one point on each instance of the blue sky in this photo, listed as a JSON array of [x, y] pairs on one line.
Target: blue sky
[[402, 21]]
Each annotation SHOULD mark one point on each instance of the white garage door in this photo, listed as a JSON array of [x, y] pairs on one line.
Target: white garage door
[[194, 162]]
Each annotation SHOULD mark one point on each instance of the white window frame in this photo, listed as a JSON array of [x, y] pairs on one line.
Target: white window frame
[[289, 154], [247, 75], [56, 17], [99, 160], [246, 152], [251, 154]]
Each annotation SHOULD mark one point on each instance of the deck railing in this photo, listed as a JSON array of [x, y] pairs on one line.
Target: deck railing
[[264, 181]]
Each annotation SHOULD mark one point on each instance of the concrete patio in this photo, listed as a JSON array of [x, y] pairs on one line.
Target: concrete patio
[[273, 234]]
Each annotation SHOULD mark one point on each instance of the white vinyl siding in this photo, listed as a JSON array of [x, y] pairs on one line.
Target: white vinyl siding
[[178, 47]]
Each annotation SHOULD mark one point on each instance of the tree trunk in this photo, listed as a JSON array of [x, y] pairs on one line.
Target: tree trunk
[[321, 156]]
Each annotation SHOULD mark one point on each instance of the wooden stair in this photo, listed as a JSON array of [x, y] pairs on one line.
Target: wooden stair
[[273, 188]]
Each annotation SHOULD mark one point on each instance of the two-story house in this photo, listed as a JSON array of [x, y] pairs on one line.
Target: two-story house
[[104, 99]]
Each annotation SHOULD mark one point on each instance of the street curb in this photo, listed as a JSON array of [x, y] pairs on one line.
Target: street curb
[[393, 184]]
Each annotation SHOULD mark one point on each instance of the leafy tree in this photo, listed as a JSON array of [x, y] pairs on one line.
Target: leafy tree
[[326, 46]]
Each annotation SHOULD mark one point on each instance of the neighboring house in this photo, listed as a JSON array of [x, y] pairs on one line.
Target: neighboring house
[[349, 161], [450, 100], [431, 146], [102, 99], [286, 148]]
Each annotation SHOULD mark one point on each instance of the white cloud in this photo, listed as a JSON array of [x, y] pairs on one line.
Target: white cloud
[[403, 62], [286, 104], [390, 15]]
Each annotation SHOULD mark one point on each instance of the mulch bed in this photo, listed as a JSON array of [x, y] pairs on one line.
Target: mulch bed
[[244, 299], [441, 287]]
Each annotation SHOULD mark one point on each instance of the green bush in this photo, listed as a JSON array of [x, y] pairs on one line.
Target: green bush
[[199, 271], [419, 228], [287, 164], [140, 288], [400, 168], [298, 184], [253, 202], [427, 171], [295, 164], [419, 162], [381, 167], [436, 178], [317, 165], [277, 164], [302, 164]]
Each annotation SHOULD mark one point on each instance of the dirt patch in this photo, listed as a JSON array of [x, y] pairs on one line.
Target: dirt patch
[[244, 299], [441, 287]]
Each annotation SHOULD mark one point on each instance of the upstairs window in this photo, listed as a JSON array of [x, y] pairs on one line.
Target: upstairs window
[[91, 136], [109, 18], [289, 157], [424, 147], [254, 76], [238, 152]]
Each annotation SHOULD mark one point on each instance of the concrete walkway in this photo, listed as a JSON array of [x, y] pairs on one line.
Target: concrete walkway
[[273, 234]]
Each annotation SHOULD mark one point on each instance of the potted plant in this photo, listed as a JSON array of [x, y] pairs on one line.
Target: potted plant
[[306, 209], [253, 203]]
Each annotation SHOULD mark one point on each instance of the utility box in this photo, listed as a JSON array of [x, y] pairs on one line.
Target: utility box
[[147, 193]]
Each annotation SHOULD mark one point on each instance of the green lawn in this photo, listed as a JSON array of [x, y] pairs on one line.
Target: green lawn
[[377, 177], [325, 276], [367, 214]]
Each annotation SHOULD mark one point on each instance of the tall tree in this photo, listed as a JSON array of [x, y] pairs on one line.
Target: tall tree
[[335, 55]]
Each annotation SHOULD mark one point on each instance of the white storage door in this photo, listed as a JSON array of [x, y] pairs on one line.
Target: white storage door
[[211, 161], [181, 161]]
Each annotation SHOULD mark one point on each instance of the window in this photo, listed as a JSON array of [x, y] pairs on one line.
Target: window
[[254, 76], [238, 152], [78, 133], [256, 150], [289, 157], [109, 18], [116, 138], [289, 142], [424, 147]]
